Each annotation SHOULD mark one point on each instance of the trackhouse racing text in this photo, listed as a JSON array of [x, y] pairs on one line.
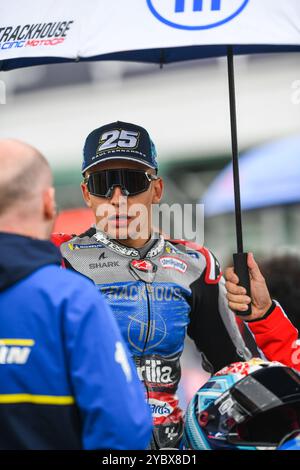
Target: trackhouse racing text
[[39, 34]]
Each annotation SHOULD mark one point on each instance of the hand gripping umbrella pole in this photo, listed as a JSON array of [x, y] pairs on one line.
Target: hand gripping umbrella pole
[[239, 258]]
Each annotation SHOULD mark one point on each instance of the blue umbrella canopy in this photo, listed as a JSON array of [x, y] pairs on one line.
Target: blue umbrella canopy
[[269, 175]]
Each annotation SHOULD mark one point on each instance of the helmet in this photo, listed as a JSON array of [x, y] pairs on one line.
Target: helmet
[[246, 406], [291, 441]]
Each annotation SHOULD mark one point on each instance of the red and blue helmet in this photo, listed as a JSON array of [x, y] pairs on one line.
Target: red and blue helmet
[[246, 406]]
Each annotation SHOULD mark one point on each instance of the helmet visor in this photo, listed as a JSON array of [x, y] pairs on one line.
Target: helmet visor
[[268, 428]]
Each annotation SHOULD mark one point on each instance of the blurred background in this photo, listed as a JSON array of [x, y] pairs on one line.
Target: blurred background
[[185, 109]]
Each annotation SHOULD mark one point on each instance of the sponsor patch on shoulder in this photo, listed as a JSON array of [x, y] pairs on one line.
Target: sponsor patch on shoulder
[[171, 250], [171, 262], [77, 246]]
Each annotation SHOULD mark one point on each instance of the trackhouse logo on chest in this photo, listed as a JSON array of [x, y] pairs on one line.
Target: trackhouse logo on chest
[[32, 35]]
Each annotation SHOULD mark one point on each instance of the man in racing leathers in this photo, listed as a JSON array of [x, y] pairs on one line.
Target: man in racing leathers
[[275, 335], [159, 290]]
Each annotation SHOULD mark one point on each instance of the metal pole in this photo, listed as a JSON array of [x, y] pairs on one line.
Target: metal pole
[[235, 151]]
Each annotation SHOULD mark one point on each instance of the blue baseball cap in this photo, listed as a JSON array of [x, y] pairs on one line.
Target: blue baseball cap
[[119, 141]]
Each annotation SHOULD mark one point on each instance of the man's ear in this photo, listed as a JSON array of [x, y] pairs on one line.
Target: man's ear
[[158, 189], [49, 204], [86, 195]]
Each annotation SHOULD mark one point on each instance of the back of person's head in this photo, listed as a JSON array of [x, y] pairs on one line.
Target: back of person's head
[[26, 194], [282, 274]]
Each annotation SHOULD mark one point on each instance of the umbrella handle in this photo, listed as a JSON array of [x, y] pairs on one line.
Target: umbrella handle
[[241, 270]]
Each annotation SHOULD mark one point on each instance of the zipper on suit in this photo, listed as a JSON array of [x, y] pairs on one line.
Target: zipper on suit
[[149, 290]]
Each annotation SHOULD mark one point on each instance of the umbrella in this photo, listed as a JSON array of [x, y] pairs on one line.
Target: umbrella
[[157, 31], [279, 185]]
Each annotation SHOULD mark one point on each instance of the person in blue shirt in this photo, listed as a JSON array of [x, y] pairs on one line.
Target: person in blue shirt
[[66, 378]]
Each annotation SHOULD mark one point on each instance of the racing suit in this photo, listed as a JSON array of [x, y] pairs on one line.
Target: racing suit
[[173, 290]]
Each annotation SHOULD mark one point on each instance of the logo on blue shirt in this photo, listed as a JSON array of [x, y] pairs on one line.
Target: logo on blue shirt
[[15, 351]]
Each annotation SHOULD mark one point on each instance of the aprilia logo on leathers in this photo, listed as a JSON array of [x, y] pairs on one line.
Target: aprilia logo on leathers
[[154, 372]]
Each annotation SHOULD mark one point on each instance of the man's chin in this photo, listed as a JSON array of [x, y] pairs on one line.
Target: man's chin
[[118, 233], [121, 234]]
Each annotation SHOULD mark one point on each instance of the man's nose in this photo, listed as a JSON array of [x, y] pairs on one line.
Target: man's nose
[[117, 198]]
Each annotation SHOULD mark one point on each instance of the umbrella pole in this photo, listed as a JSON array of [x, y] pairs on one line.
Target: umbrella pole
[[239, 258], [235, 151]]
